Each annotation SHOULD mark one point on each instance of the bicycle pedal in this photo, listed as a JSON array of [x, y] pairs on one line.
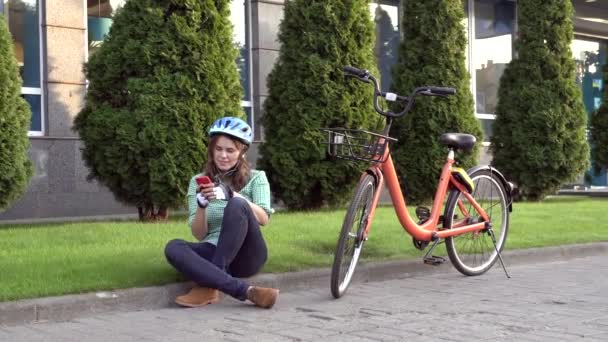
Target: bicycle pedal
[[423, 214], [434, 260]]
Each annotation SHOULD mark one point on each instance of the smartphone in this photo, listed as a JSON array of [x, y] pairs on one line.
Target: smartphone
[[203, 180]]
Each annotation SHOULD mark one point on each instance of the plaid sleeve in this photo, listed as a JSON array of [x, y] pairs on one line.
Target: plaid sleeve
[[260, 192], [192, 205]]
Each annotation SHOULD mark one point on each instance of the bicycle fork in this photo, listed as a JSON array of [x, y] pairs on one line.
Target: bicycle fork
[[379, 177]]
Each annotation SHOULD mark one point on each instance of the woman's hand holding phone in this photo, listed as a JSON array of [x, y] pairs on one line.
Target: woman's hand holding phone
[[204, 191], [207, 189]]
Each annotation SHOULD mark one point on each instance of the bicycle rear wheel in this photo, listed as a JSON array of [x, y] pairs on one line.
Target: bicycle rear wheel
[[350, 241], [474, 253]]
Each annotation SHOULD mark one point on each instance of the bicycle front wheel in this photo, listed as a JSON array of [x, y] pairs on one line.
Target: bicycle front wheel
[[474, 253], [350, 241]]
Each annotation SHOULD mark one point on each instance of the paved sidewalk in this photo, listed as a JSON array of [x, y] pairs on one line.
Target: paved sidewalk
[[550, 301], [64, 308]]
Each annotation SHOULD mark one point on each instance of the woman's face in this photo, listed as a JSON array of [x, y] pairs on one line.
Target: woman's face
[[225, 153]]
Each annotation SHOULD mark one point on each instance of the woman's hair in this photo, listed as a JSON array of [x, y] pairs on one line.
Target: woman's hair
[[240, 176]]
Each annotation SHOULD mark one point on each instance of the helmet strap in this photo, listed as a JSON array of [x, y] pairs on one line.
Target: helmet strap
[[230, 172]]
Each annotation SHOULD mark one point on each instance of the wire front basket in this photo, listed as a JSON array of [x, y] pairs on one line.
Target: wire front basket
[[357, 144]]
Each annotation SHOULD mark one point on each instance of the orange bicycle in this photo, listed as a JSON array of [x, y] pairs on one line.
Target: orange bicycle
[[476, 212]]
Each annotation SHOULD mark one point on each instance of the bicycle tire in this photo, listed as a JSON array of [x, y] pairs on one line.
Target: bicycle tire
[[474, 253], [350, 241]]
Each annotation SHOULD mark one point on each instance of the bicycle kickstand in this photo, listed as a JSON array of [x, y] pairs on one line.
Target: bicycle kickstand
[[491, 231]]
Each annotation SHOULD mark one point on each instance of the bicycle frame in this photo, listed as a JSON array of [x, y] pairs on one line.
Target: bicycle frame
[[429, 230]]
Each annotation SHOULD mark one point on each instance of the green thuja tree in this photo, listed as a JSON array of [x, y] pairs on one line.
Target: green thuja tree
[[599, 130], [539, 133], [307, 91], [432, 53], [165, 72], [15, 166]]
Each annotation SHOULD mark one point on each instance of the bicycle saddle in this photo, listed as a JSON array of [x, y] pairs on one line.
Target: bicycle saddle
[[461, 141]]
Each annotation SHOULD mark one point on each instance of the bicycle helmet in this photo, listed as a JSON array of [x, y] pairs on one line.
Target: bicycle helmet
[[233, 127]]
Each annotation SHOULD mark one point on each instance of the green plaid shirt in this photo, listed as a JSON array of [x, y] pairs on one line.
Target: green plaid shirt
[[257, 191]]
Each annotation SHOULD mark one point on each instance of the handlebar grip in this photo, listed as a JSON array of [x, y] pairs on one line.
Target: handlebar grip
[[442, 91], [355, 71]]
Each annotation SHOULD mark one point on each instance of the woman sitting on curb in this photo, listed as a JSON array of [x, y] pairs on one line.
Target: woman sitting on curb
[[225, 216]]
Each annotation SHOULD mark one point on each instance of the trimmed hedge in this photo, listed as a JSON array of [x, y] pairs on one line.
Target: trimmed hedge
[[166, 71], [15, 114], [432, 53], [539, 133], [307, 91]]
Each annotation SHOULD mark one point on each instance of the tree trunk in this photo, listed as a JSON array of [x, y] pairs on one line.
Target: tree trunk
[[147, 213], [162, 214]]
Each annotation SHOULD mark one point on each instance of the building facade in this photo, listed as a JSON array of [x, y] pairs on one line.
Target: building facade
[[54, 38]]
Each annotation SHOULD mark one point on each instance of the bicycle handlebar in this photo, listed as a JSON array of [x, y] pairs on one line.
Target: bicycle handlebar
[[365, 76], [442, 91], [356, 71]]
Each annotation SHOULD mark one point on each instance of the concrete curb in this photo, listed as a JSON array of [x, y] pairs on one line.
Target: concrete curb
[[64, 308]]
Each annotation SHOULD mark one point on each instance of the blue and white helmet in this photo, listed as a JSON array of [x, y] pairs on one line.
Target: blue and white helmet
[[234, 127]]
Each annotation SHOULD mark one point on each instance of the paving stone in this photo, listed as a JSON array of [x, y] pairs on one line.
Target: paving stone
[[551, 301]]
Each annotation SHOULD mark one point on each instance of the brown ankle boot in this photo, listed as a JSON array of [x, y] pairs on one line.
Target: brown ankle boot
[[262, 296], [199, 296]]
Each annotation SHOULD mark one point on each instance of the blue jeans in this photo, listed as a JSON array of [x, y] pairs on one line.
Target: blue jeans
[[240, 252]]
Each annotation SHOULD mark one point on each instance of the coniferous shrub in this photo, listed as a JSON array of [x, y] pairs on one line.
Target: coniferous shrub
[[599, 130], [165, 72], [15, 165], [539, 133], [432, 53], [307, 91]]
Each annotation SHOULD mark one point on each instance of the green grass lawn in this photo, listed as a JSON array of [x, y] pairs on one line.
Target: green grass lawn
[[53, 259]]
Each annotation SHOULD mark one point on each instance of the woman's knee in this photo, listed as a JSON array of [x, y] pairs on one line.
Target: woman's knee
[[236, 204], [173, 247]]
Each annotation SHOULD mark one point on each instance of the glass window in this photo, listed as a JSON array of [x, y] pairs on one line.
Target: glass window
[[466, 25], [24, 25], [492, 49], [99, 20], [239, 17], [590, 56], [386, 17], [486, 127], [494, 25]]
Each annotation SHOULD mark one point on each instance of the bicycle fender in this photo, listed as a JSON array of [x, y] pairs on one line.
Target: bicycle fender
[[509, 187], [374, 172]]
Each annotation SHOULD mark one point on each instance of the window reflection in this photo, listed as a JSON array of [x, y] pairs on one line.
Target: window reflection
[[22, 16], [589, 57], [239, 19], [35, 105], [103, 8], [24, 26], [100, 13], [99, 20], [487, 128], [492, 49], [386, 18]]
